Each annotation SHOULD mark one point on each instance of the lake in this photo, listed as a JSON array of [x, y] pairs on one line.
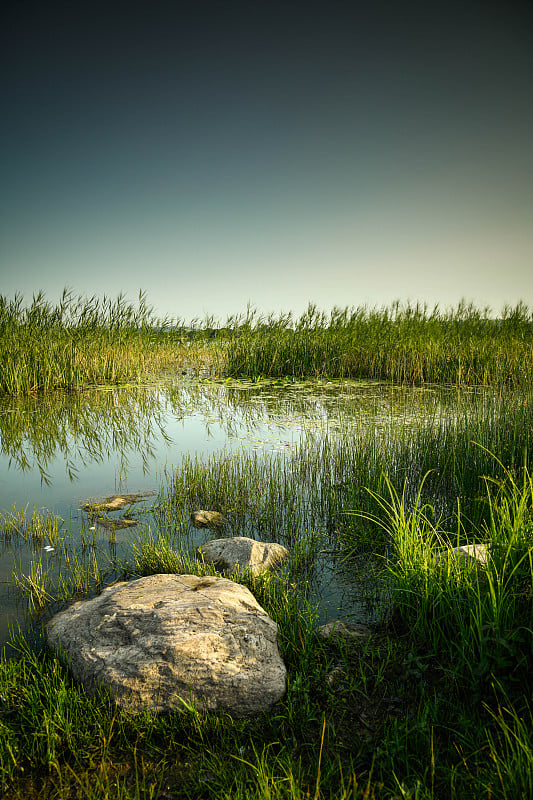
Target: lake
[[58, 452]]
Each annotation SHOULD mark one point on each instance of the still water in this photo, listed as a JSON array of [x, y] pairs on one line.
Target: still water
[[59, 452]]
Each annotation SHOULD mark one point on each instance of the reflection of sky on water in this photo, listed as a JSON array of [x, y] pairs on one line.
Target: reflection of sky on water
[[108, 441]]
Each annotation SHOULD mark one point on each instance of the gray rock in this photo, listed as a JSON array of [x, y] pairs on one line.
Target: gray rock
[[243, 554], [208, 519], [115, 502], [345, 630], [336, 677], [467, 554], [166, 641]]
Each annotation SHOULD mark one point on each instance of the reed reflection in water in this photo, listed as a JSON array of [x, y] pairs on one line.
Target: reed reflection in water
[[59, 450]]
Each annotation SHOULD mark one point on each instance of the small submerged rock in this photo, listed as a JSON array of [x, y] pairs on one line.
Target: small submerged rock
[[242, 554], [117, 524], [345, 630], [208, 519], [114, 503]]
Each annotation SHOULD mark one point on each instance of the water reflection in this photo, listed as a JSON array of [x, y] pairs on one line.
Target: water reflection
[[59, 451], [80, 429], [76, 430]]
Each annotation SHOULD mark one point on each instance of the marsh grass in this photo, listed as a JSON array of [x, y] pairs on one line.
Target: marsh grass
[[510, 742], [305, 493], [80, 342], [409, 344], [85, 341], [34, 584], [479, 619], [474, 622], [57, 564], [41, 527], [403, 717]]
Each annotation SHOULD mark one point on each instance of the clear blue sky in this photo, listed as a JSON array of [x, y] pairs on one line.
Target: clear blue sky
[[215, 153]]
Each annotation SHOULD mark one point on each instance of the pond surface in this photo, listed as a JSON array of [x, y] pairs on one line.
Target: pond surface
[[59, 452]]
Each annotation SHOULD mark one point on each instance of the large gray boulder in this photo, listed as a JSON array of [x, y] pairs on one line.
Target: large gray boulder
[[166, 641], [243, 554]]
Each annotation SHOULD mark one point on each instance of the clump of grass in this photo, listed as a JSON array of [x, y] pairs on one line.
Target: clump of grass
[[35, 585], [510, 743], [478, 619], [41, 527], [152, 555]]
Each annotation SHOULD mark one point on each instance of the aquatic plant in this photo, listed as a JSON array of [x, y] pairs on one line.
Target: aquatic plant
[[409, 344], [85, 341], [479, 619]]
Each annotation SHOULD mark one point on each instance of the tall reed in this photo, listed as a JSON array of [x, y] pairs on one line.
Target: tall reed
[[408, 344], [83, 341]]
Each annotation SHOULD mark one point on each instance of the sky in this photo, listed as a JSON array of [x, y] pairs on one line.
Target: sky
[[220, 154]]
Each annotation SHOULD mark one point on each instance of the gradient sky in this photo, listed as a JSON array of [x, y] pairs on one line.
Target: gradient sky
[[220, 153]]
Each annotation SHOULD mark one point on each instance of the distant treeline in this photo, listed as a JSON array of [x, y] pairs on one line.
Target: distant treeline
[[82, 341]]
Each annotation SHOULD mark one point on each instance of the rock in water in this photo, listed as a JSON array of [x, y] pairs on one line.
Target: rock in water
[[208, 519], [345, 630], [166, 641], [243, 554]]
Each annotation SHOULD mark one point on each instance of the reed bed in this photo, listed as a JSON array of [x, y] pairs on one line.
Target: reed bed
[[404, 344], [86, 341]]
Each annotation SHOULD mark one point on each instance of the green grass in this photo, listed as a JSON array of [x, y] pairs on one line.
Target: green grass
[[404, 344], [404, 716], [85, 341], [479, 620], [288, 497], [436, 704]]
